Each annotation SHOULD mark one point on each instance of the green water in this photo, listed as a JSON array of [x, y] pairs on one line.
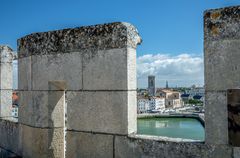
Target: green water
[[187, 128]]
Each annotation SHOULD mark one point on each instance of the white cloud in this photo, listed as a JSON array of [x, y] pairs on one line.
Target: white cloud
[[180, 70]]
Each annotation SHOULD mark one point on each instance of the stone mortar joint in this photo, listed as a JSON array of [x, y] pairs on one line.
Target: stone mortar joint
[[98, 37]]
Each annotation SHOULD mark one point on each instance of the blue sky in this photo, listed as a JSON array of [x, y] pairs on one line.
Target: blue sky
[[169, 28]]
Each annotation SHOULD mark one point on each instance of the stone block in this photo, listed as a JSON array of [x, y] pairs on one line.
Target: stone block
[[101, 111], [5, 103], [86, 145], [25, 110], [216, 122], [65, 66], [42, 143], [125, 148], [112, 69], [42, 108], [222, 66], [6, 76], [24, 73]]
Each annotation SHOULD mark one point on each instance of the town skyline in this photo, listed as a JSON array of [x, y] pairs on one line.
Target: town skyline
[[161, 83]]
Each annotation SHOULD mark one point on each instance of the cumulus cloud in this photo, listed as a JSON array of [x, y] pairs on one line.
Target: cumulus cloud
[[179, 70]]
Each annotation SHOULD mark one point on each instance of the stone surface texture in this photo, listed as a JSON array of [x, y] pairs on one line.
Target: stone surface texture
[[42, 143], [99, 37], [89, 145], [216, 122], [25, 73], [101, 111], [10, 136], [44, 109], [6, 54], [222, 65], [222, 24], [67, 67], [6, 80], [109, 69]]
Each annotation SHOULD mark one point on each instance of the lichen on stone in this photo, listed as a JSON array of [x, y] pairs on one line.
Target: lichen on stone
[[99, 37], [222, 23]]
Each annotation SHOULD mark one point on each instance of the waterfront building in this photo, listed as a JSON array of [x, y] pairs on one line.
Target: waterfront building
[[142, 104], [149, 104], [157, 103], [172, 98]]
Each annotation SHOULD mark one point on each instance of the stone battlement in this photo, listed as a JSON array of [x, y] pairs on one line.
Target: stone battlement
[[101, 37], [77, 94]]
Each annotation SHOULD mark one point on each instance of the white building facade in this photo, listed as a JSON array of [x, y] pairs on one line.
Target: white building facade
[[157, 103], [146, 104], [143, 105]]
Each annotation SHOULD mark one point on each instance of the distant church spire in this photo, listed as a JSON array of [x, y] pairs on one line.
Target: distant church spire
[[166, 84]]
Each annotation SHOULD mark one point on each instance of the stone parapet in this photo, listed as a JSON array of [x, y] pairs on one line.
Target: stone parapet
[[222, 68], [98, 37]]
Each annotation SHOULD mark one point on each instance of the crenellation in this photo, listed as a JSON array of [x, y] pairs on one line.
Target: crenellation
[[77, 93]]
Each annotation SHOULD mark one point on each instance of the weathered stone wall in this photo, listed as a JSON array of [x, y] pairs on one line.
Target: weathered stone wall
[[222, 68], [6, 81], [98, 67]]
